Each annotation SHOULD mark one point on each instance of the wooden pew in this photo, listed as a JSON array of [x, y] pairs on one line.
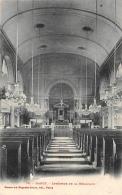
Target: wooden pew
[[103, 146], [27, 145], [3, 160], [11, 159]]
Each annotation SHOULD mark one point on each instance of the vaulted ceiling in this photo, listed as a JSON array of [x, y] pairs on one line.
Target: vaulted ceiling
[[63, 26]]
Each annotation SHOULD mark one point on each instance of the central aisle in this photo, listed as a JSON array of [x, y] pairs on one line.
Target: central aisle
[[63, 157]]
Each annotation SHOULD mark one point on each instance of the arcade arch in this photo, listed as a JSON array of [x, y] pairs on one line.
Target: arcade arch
[[61, 102]]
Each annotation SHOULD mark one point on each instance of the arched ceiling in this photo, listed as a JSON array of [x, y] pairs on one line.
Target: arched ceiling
[[65, 26], [52, 69]]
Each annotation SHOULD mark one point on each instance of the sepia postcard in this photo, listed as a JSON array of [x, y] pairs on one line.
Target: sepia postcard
[[61, 97]]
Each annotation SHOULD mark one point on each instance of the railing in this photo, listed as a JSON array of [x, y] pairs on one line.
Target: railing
[[103, 148], [21, 151]]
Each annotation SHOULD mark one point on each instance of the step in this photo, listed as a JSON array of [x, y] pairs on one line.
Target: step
[[67, 168], [62, 155], [65, 161], [65, 155], [62, 138], [63, 141], [64, 151], [62, 147], [58, 143], [65, 144]]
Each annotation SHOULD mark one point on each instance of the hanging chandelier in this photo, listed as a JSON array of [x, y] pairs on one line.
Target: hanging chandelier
[[14, 94], [94, 108], [85, 111], [112, 95], [32, 106]]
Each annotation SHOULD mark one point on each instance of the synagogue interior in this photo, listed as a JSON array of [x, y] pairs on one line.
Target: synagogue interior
[[60, 87]]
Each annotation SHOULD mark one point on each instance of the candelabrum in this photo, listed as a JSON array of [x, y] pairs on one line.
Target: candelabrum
[[113, 97], [83, 111], [33, 107], [94, 108], [15, 96]]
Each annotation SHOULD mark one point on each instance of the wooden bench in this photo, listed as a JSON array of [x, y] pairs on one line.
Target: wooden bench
[[102, 146], [21, 150]]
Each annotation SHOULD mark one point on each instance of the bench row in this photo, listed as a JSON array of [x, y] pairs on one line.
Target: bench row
[[103, 148], [21, 150]]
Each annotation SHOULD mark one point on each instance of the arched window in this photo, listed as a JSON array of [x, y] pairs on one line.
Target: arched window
[[103, 85], [7, 68], [20, 80], [119, 71], [4, 67]]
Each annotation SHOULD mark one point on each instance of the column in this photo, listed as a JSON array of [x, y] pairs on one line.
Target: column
[[1, 118], [47, 103], [110, 116], [0, 52]]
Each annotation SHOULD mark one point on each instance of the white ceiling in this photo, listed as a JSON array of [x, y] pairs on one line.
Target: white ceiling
[[63, 22]]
